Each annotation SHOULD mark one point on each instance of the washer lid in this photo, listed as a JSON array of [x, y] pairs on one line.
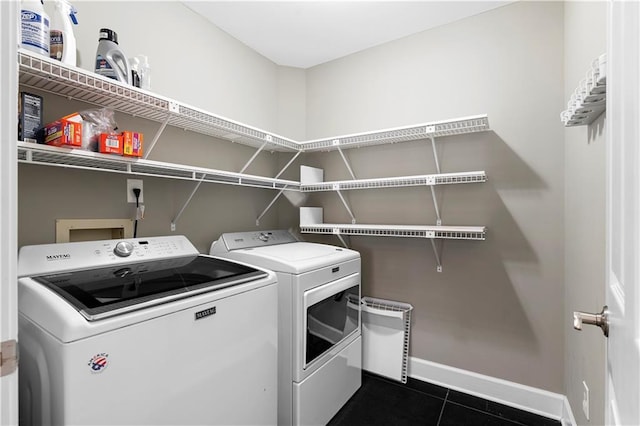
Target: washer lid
[[296, 257], [105, 292]]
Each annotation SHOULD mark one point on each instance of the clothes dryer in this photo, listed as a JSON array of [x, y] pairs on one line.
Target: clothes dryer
[[319, 340]]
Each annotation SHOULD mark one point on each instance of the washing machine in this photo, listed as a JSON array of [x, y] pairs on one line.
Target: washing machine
[[319, 340], [144, 331]]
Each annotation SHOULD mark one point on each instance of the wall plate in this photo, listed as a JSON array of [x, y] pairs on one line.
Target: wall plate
[[134, 183]]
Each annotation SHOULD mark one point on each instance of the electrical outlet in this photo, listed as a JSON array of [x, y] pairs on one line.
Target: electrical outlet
[[131, 184], [585, 399]]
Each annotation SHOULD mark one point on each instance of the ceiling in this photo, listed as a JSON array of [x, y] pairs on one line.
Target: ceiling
[[303, 34]]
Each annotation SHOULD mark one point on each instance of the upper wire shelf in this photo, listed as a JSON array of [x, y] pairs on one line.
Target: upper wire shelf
[[457, 126], [51, 76]]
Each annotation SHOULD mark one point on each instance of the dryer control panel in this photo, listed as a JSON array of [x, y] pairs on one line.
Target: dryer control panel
[[244, 240]]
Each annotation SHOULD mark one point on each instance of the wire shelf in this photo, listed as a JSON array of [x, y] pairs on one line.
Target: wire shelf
[[406, 231], [434, 129], [31, 153], [394, 182], [589, 99], [51, 76]]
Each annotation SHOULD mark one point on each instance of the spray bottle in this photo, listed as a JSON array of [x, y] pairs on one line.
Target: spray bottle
[[34, 26], [63, 42]]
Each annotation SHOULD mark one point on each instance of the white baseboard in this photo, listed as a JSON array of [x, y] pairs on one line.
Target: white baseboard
[[534, 400]]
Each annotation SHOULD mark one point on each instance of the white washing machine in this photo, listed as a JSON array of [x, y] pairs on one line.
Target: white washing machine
[[144, 331], [319, 343]]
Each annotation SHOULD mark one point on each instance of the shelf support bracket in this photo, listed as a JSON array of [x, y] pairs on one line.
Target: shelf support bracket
[[269, 206], [437, 254], [435, 205], [432, 187], [157, 136], [435, 153], [344, 243], [288, 164], [346, 206], [175, 219], [267, 139], [346, 163]]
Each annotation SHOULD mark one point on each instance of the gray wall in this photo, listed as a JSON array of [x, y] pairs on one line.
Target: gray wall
[[198, 64], [497, 308], [584, 216]]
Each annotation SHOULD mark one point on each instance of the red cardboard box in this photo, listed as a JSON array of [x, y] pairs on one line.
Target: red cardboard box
[[64, 132], [110, 143], [132, 143]]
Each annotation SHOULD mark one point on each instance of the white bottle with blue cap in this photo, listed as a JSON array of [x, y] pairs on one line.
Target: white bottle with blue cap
[[62, 40], [34, 27]]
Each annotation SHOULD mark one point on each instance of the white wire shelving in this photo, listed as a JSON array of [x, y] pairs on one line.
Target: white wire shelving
[[589, 99], [74, 83], [395, 182], [411, 231], [312, 180], [31, 153], [51, 76], [312, 222], [456, 126]]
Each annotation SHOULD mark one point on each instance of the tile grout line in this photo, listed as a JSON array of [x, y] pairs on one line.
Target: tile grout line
[[444, 402]]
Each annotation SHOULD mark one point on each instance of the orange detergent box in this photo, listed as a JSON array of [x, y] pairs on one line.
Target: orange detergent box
[[66, 131], [132, 143], [110, 143]]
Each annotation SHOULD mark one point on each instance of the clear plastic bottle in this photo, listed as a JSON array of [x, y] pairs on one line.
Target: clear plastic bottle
[[144, 69], [63, 42], [110, 59], [34, 27]]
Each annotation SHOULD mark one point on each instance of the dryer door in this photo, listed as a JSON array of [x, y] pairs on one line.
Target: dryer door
[[331, 316]]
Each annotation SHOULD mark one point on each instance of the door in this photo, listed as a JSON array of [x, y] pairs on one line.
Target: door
[[8, 206], [622, 391], [331, 314]]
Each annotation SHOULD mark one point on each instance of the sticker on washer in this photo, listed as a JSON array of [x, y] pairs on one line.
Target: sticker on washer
[[99, 362]]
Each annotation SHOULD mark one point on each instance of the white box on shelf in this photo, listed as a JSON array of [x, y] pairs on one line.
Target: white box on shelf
[[310, 215], [309, 175]]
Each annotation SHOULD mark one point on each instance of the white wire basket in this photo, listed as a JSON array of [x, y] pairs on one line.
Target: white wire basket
[[385, 337]]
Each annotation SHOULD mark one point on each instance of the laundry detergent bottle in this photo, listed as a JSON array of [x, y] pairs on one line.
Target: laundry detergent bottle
[[110, 59], [34, 27], [63, 42]]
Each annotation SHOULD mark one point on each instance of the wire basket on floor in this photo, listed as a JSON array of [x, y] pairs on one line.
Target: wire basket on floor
[[385, 337]]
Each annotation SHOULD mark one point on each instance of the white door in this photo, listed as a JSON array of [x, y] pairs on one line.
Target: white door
[[622, 393], [8, 206]]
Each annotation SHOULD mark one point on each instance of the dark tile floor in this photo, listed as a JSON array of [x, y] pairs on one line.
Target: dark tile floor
[[381, 401]]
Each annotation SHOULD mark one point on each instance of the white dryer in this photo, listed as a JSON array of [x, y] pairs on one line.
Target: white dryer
[[319, 340], [144, 331]]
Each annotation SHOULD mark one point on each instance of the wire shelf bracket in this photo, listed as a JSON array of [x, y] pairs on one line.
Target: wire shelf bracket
[[157, 136], [195, 189]]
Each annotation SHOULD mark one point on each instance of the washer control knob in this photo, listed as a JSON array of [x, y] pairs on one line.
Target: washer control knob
[[123, 249], [263, 237]]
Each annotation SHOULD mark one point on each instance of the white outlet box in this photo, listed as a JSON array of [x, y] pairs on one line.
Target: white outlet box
[[585, 399], [131, 184]]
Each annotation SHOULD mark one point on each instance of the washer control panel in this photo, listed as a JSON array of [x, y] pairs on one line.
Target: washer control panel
[[244, 240], [48, 258]]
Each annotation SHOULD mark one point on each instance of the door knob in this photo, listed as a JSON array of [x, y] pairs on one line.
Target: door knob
[[601, 320]]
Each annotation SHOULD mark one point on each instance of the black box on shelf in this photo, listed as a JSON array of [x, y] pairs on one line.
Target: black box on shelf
[[29, 116]]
